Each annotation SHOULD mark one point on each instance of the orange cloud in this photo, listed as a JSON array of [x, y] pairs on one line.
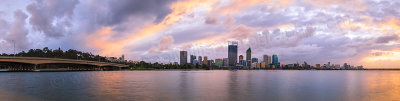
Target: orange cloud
[[101, 39], [382, 59]]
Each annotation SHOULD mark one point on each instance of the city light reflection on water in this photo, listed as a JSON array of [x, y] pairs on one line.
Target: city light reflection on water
[[220, 85]]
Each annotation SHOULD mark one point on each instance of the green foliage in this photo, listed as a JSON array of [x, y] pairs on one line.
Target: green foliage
[[58, 53]]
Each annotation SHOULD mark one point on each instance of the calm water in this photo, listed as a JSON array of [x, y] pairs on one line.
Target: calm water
[[200, 85]]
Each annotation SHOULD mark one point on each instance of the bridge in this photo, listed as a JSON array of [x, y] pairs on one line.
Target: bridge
[[33, 63]]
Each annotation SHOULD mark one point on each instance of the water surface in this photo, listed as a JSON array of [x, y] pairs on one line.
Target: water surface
[[217, 85]]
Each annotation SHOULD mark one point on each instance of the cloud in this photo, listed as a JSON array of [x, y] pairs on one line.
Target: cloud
[[18, 32], [4, 26], [166, 43], [386, 39], [211, 20], [241, 32], [351, 5], [52, 17], [180, 10]]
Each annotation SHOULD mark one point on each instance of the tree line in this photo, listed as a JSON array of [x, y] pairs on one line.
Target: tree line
[[59, 53]]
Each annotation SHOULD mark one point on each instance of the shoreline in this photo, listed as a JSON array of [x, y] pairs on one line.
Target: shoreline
[[2, 70]]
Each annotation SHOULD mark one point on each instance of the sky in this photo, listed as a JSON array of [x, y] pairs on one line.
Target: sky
[[358, 32]]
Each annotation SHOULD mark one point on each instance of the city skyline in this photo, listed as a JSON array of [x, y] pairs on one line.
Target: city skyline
[[360, 32]]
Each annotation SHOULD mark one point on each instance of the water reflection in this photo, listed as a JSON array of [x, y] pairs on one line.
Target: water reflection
[[201, 85]]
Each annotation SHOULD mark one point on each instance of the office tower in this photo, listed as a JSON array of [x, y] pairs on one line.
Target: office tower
[[265, 59], [275, 61], [240, 58], [269, 62], [205, 60], [254, 60], [232, 52], [248, 57], [192, 58], [218, 62], [225, 62], [263, 65], [183, 57], [200, 60]]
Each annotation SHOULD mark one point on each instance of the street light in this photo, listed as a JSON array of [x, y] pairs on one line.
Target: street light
[[14, 46]]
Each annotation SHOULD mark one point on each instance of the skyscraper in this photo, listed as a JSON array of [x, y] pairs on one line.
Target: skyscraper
[[183, 57], [267, 60], [200, 60], [205, 60], [248, 57], [192, 58], [275, 60], [232, 52]]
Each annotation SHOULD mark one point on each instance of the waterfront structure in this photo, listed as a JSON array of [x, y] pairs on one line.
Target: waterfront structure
[[200, 60], [263, 65], [253, 65], [183, 57], [275, 60], [192, 58], [318, 66], [210, 62], [243, 63], [248, 57], [240, 58], [122, 59], [31, 63], [267, 60], [345, 66], [232, 52], [219, 62], [205, 60], [225, 62], [254, 60]]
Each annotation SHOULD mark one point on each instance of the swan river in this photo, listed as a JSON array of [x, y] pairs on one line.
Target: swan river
[[203, 85]]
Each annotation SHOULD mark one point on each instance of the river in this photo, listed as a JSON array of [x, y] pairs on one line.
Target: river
[[218, 85]]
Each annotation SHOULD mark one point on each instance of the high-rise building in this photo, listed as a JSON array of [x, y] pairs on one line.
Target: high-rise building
[[192, 58], [275, 61], [183, 57], [248, 57], [200, 60], [218, 62], [269, 62], [240, 58], [225, 62], [265, 59], [232, 52], [205, 60]]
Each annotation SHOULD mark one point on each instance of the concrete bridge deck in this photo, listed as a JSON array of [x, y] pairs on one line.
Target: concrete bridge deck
[[42, 60]]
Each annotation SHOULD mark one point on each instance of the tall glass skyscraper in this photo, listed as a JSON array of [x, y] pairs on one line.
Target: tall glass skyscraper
[[232, 52], [248, 57], [275, 60]]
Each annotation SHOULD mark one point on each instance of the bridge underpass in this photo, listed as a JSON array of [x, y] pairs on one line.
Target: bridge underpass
[[39, 64]]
